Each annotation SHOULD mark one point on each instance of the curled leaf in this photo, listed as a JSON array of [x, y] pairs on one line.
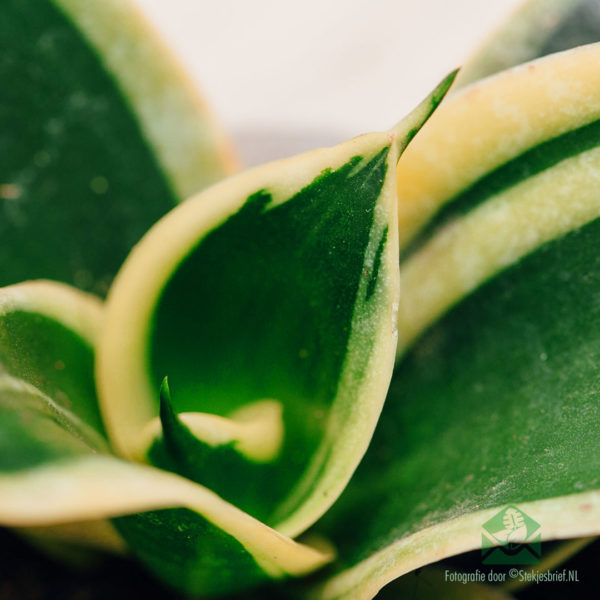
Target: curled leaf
[[280, 283], [57, 470], [493, 405]]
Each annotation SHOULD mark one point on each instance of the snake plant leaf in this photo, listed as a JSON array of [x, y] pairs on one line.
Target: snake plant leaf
[[528, 147], [537, 28], [187, 535], [101, 136], [495, 404], [269, 301], [56, 469], [47, 334]]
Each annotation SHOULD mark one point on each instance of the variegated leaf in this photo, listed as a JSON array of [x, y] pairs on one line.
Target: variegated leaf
[[494, 400], [56, 468], [270, 302], [101, 136]]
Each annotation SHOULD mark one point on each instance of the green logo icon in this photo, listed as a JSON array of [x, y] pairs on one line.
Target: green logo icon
[[511, 538]]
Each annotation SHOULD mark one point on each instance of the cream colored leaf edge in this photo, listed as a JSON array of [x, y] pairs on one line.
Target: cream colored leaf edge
[[491, 121], [518, 39], [563, 517], [122, 372], [494, 235], [101, 487], [179, 127], [79, 311]]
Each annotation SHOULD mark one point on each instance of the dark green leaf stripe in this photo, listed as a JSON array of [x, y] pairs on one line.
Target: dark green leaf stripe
[[529, 163], [79, 182], [371, 286], [495, 405], [494, 235]]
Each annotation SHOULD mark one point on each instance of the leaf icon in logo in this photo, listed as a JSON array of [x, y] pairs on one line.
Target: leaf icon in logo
[[514, 527]]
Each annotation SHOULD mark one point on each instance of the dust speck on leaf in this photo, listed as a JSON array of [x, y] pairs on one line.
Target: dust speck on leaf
[[41, 159], [99, 185]]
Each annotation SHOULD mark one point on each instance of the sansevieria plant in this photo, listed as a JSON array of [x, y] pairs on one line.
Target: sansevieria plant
[[310, 378]]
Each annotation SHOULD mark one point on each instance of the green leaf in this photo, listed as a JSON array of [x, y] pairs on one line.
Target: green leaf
[[306, 245], [495, 403], [537, 28], [490, 123], [525, 151], [56, 469], [47, 334], [101, 136]]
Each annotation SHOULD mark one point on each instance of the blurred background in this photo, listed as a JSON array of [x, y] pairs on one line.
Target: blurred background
[[283, 77]]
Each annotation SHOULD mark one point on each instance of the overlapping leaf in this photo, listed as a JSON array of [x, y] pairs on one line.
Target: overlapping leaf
[[101, 136], [496, 403], [268, 300], [56, 467]]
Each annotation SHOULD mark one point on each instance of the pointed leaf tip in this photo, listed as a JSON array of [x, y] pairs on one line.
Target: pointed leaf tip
[[442, 89], [165, 392], [176, 435], [409, 126]]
